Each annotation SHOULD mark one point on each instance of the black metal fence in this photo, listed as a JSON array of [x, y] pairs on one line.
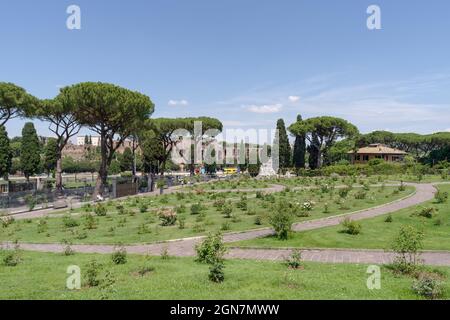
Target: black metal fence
[[26, 196]]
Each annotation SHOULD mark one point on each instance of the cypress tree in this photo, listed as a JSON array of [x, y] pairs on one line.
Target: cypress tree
[[299, 148], [30, 158], [5, 154], [50, 155], [313, 152], [284, 146]]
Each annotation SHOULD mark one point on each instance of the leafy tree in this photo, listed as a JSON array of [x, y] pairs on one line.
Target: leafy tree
[[152, 151], [16, 146], [112, 112], [407, 245], [210, 127], [339, 151], [299, 148], [323, 132], [284, 150], [281, 220], [86, 139], [5, 154], [420, 146], [163, 131], [30, 158], [210, 160], [50, 155], [126, 160], [60, 116], [14, 102]]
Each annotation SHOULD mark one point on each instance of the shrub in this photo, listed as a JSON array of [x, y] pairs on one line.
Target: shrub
[[281, 220], [6, 221], [12, 258], [100, 210], [216, 273], [119, 256], [120, 209], [343, 193], [211, 250], [350, 226], [168, 217], [406, 246], [30, 201], [181, 222], [92, 270], [225, 226], [144, 270], [294, 260], [70, 222], [258, 220], [441, 197], [360, 195], [68, 251], [308, 205], [165, 253], [89, 222], [198, 228], [143, 229], [242, 203], [389, 219], [427, 212], [428, 286], [227, 210], [42, 226], [107, 285], [143, 207], [196, 208], [219, 203]]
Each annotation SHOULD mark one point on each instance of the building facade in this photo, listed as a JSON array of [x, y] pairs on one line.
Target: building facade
[[376, 151]]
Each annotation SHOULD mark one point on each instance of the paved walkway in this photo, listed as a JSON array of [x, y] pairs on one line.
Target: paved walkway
[[186, 247]]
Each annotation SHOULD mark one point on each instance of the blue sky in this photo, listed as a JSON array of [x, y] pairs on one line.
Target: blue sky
[[246, 62]]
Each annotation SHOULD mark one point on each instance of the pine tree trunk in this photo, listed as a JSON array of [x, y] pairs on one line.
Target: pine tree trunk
[[58, 176]]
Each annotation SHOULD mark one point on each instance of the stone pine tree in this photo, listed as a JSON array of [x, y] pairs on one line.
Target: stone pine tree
[[62, 123], [112, 112], [322, 133], [14, 102], [299, 148], [5, 154], [30, 158], [284, 146]]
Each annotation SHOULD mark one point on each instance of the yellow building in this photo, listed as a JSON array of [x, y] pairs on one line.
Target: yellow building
[[376, 151]]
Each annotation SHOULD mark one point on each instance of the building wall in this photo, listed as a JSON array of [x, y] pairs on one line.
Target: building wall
[[364, 158]]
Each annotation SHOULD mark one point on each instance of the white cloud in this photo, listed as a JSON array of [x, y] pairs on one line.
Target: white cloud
[[294, 98], [178, 102], [268, 108]]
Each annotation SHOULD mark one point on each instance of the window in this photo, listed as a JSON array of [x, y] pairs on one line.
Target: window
[[366, 158]]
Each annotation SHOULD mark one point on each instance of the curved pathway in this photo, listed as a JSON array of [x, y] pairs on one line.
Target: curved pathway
[[186, 247]]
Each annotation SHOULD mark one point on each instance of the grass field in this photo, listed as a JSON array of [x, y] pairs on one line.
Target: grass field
[[133, 226], [43, 276], [375, 233]]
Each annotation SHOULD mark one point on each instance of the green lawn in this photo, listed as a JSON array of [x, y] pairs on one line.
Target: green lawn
[[375, 234], [137, 227], [426, 178], [43, 276]]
